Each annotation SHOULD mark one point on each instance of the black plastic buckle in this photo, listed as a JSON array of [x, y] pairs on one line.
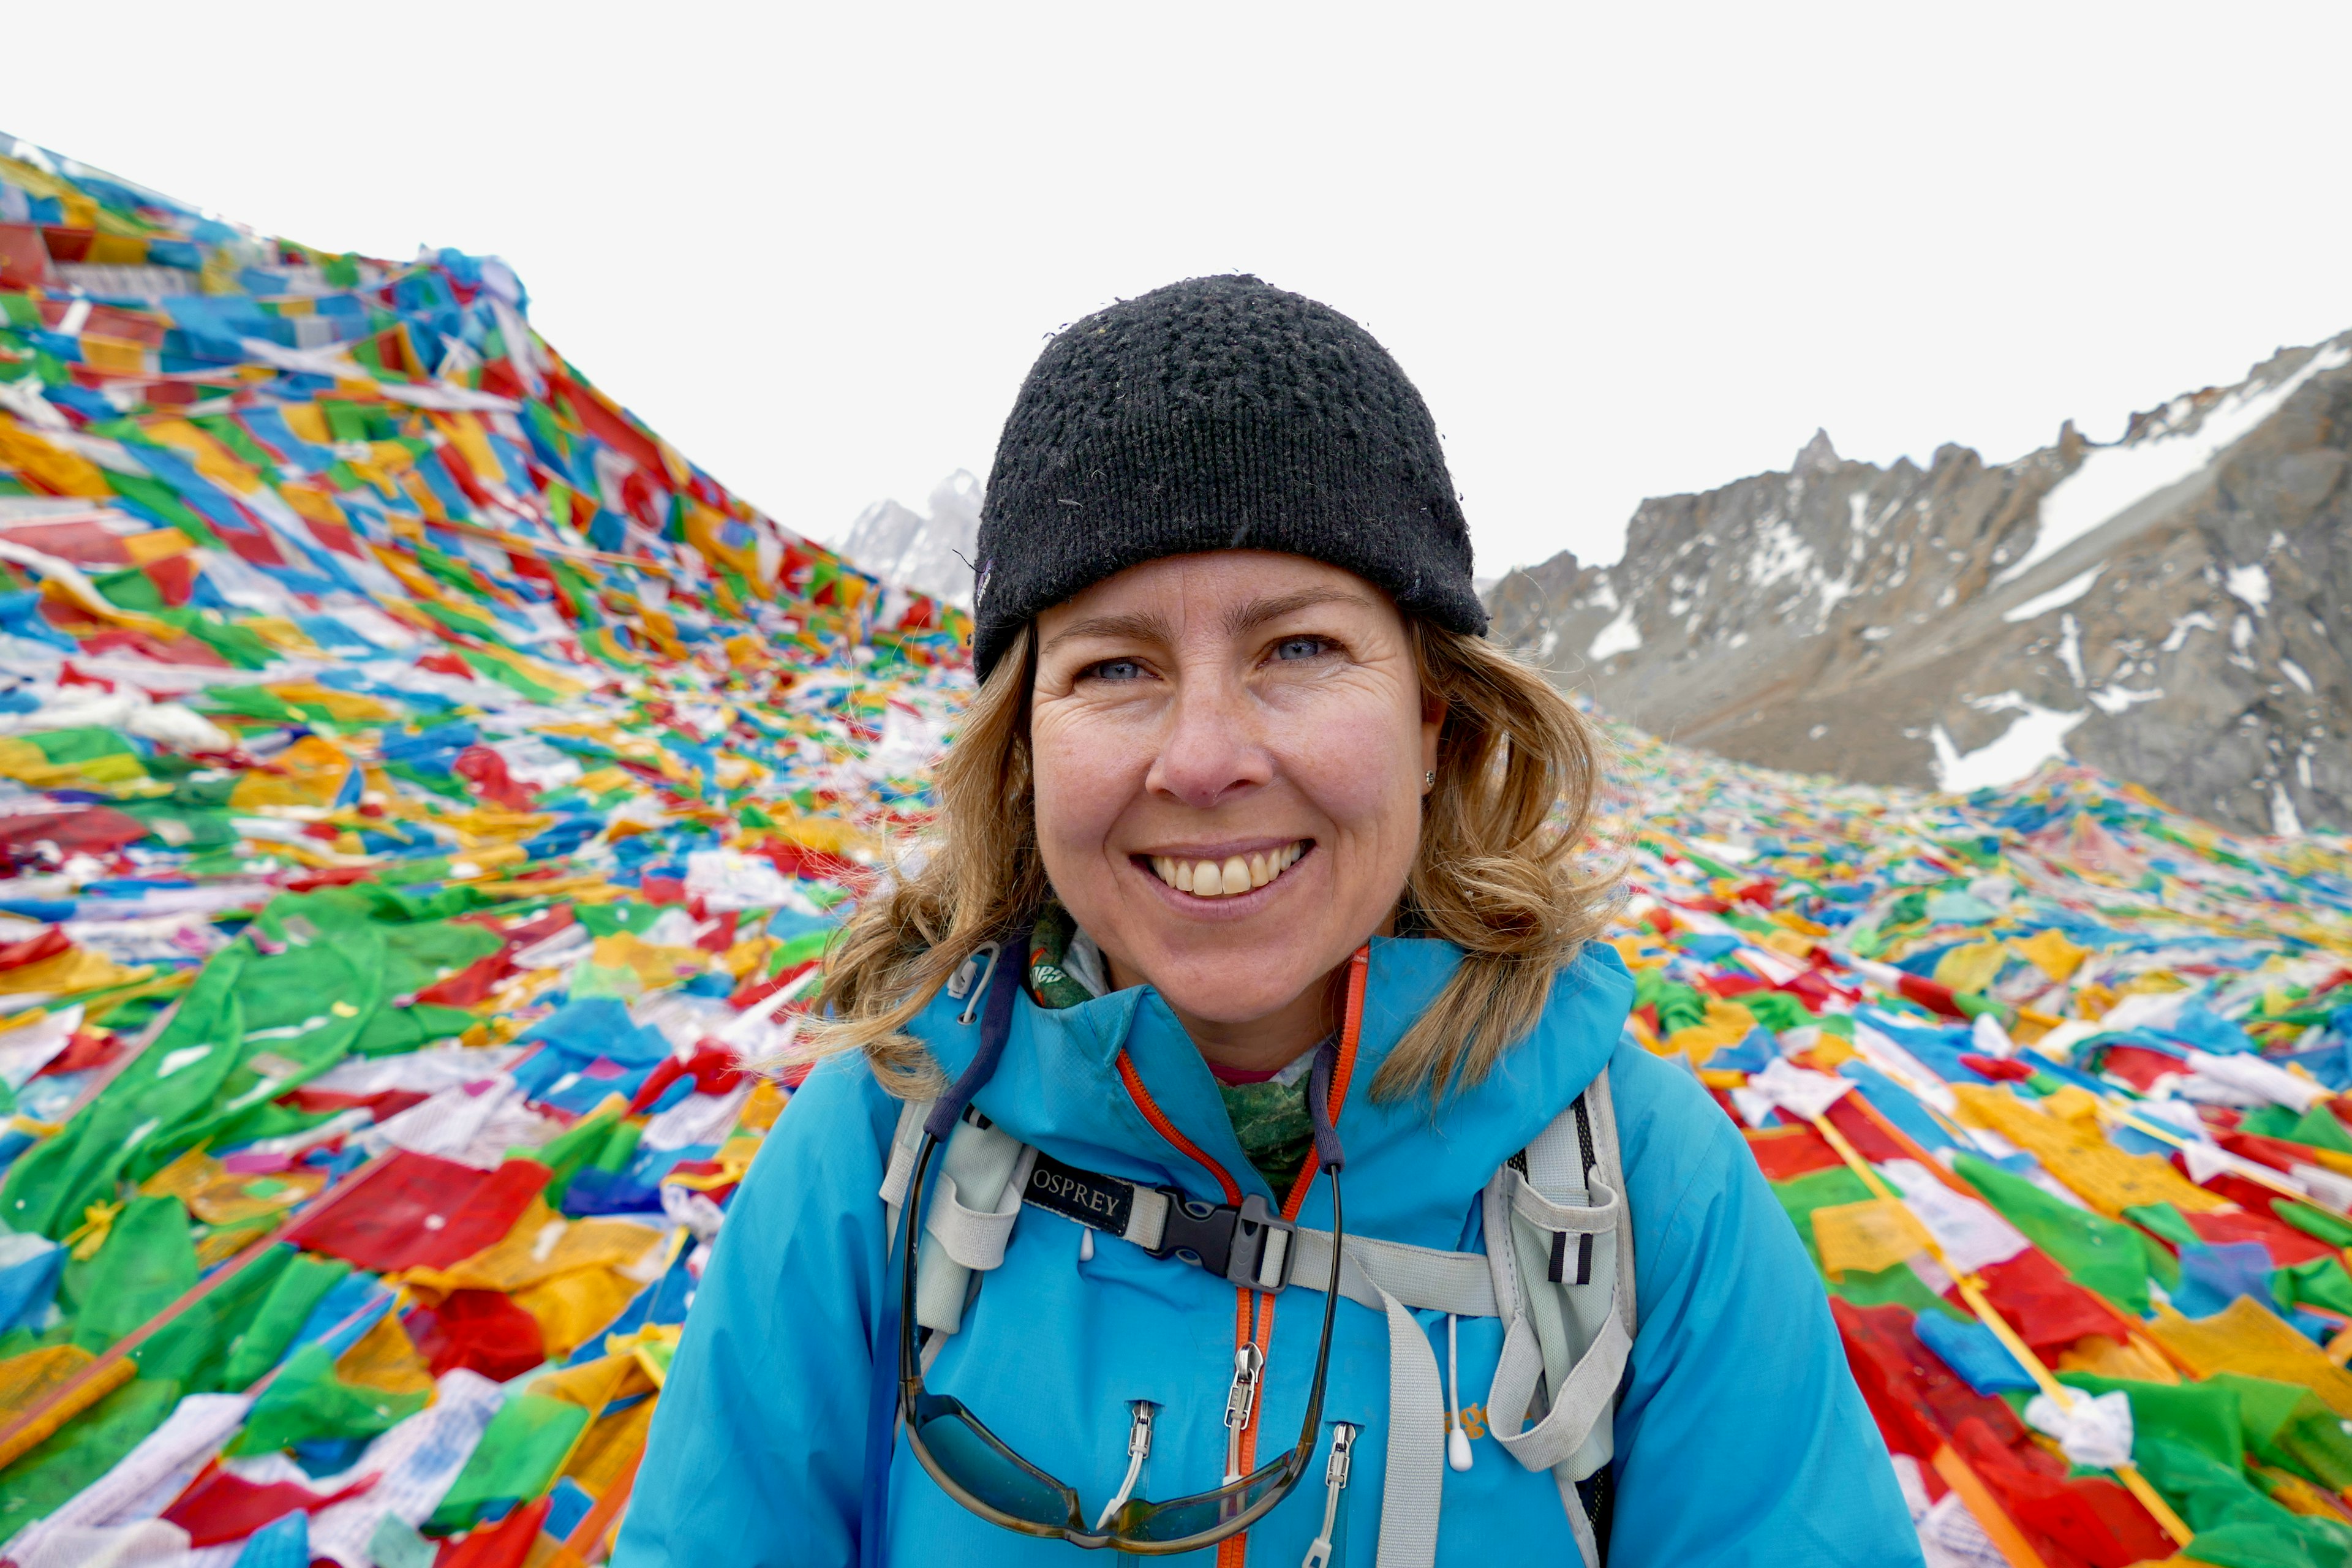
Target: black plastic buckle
[[1229, 1240]]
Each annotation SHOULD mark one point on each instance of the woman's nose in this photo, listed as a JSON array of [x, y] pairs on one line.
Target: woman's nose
[[1211, 751]]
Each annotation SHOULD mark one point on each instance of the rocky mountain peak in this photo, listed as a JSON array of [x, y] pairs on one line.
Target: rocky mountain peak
[[1816, 456], [2174, 607]]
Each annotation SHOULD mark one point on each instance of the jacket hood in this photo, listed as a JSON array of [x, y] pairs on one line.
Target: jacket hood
[[1082, 1084]]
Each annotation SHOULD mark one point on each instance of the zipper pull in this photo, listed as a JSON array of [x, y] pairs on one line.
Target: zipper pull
[[1335, 1481], [1139, 1449], [1240, 1401], [1242, 1398]]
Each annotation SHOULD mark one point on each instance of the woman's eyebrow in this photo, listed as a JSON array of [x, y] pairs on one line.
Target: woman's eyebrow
[[1258, 612], [1141, 626]]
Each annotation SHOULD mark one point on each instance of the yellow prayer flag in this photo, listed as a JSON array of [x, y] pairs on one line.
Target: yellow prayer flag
[[2080, 1156], [1726, 1024], [1875, 1234], [1972, 966], [385, 1358], [658, 967], [2049, 951], [309, 772], [2247, 1337]]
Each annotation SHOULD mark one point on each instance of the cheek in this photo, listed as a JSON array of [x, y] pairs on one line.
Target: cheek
[[1083, 780], [1368, 783]]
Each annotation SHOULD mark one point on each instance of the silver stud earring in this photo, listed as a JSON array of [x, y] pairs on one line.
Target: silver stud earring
[[1429, 779]]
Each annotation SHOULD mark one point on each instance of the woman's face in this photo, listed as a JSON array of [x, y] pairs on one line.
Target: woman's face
[[1229, 753]]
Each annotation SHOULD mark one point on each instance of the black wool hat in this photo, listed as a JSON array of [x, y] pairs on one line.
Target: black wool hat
[[1217, 414]]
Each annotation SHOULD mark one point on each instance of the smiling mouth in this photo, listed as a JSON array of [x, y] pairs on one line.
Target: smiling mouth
[[1224, 878]]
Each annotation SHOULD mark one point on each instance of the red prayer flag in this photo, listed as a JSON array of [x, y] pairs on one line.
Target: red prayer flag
[[2287, 1245], [2092, 1517], [418, 1211], [2049, 1311], [90, 830], [479, 1329], [1786, 1153], [33, 949], [220, 1505], [506, 1544], [472, 985], [1918, 1400]]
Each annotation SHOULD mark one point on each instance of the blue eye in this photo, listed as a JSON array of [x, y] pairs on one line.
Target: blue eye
[[1292, 649], [1114, 669]]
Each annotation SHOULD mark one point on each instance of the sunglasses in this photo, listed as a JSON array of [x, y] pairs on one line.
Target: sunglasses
[[983, 1473]]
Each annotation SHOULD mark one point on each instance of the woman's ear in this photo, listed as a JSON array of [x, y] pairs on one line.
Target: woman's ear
[[1433, 723]]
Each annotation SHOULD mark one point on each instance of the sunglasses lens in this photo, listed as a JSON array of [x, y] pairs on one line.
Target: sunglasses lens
[[984, 1468], [1204, 1513]]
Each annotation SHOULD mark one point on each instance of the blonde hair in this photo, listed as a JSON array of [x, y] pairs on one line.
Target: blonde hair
[[1498, 872]]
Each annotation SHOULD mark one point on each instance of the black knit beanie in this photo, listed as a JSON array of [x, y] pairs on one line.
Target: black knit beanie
[[1217, 414]]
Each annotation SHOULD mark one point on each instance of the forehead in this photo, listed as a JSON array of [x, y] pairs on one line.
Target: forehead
[[1217, 585]]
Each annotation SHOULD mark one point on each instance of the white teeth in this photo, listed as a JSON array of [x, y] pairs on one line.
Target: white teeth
[[1238, 874]]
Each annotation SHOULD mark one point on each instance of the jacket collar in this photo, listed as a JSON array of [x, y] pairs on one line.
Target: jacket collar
[[1075, 1080]]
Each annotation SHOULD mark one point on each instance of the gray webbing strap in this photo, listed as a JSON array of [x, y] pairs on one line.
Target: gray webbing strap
[[1421, 1278], [978, 1163], [1588, 1546], [1413, 1485], [901, 1169], [976, 1238], [1609, 1160], [1580, 1400], [1595, 1218]]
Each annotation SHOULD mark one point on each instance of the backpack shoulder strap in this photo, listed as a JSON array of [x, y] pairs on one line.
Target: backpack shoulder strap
[[1559, 1244], [977, 1196]]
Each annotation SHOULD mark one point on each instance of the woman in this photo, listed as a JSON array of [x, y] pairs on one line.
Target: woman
[[1266, 835]]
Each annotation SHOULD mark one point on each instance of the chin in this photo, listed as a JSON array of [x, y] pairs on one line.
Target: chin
[[1233, 987]]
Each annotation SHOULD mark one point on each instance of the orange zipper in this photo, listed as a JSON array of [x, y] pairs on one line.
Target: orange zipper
[[1250, 1323], [1233, 1552]]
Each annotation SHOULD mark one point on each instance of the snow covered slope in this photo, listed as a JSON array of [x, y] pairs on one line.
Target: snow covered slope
[[932, 554]]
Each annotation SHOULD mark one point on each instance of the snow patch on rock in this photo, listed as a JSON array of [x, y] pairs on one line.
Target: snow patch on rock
[[2036, 736]]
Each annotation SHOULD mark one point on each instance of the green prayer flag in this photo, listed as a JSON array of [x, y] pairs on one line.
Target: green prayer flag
[[2314, 1222], [2319, 1281], [1899, 1286], [2319, 1127], [2288, 1425], [2200, 1415], [82, 1450], [2164, 1220], [263, 1340], [2097, 1252], [570, 1152], [307, 1401], [166, 1089], [518, 1456], [192, 1349], [2236, 1525], [147, 1263]]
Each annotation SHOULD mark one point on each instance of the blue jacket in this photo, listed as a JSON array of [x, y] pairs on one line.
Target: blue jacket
[[1740, 1438]]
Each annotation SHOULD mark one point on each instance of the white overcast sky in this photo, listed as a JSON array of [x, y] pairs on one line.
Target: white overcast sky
[[1625, 250]]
